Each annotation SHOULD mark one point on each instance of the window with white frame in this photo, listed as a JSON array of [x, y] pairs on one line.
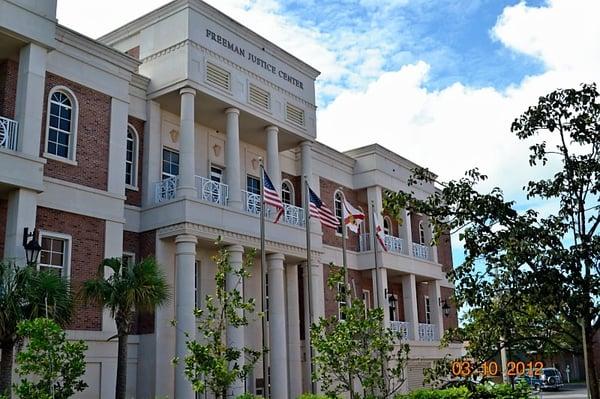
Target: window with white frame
[[170, 163], [287, 192], [387, 226], [341, 300], [128, 259], [131, 157], [427, 310], [61, 131], [216, 174], [55, 253], [253, 184], [421, 233], [366, 297], [337, 207], [393, 304]]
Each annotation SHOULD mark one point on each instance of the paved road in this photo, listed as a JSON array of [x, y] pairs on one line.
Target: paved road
[[570, 391]]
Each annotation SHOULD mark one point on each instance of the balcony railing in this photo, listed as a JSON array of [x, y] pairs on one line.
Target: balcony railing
[[427, 332], [402, 327], [251, 202], [420, 251], [212, 191], [293, 215], [8, 133], [165, 189], [393, 244]]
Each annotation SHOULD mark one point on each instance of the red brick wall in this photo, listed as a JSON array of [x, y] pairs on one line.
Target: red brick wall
[[395, 288], [358, 279], [87, 252], [3, 211], [330, 237], [9, 71], [444, 249], [135, 197], [93, 129], [147, 247], [422, 290], [452, 319]]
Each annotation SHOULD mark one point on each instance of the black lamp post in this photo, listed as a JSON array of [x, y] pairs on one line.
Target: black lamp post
[[32, 247], [446, 308]]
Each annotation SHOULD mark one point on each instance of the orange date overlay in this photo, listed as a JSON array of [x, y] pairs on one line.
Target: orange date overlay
[[464, 368]]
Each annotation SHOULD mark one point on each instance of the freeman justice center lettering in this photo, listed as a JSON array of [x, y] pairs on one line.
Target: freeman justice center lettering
[[253, 58]]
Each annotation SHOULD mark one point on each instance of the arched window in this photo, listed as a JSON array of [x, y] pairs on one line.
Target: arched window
[[61, 131], [421, 233], [131, 157], [387, 226], [337, 206], [287, 192]]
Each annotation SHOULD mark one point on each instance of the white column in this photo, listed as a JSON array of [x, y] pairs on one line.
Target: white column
[[232, 158], [437, 316], [277, 328], [381, 299], [30, 97], [306, 155], [407, 226], [119, 110], [318, 291], [293, 331], [21, 213], [409, 298], [273, 156], [151, 168], [235, 335], [185, 257], [187, 162]]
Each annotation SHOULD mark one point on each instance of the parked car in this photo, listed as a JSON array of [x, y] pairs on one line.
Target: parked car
[[549, 378]]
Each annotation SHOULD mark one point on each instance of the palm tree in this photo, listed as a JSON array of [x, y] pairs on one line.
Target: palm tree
[[129, 288], [25, 294]]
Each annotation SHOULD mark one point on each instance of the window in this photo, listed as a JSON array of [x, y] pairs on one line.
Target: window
[[387, 226], [131, 157], [128, 259], [170, 163], [421, 234], [62, 124], [341, 297], [216, 174], [366, 297], [253, 185], [337, 205], [55, 253], [287, 193], [427, 310], [392, 303]]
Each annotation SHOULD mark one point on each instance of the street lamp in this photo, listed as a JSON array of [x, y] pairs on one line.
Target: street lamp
[[446, 308], [32, 247]]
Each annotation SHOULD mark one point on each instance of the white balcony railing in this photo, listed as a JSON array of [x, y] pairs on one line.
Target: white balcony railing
[[8, 133], [251, 202], [212, 191], [420, 251], [427, 332], [393, 244], [364, 242], [402, 327], [293, 215], [165, 190]]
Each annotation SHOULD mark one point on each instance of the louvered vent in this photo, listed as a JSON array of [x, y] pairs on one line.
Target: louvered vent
[[218, 76], [259, 97], [294, 114]]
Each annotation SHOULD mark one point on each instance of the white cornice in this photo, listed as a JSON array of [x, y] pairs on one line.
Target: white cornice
[[332, 153]]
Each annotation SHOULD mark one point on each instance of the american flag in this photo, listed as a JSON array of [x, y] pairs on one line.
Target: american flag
[[320, 211], [271, 195]]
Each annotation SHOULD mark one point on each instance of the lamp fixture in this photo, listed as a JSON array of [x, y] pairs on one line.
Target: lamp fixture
[[392, 301], [32, 247], [445, 308]]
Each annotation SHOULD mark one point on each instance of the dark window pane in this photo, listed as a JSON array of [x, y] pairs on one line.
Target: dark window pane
[[65, 125], [62, 151], [53, 121], [52, 148], [52, 135], [63, 139], [44, 257], [65, 113], [54, 109], [175, 170], [57, 259], [46, 242]]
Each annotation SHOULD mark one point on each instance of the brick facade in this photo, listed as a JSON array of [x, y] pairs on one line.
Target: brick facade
[[9, 71], [415, 219], [297, 183], [142, 245], [452, 320], [444, 249], [358, 281], [87, 252], [358, 198], [134, 197], [395, 288], [3, 214], [93, 131]]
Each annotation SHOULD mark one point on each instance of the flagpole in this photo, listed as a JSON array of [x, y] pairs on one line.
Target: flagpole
[[374, 241], [346, 284], [263, 272], [309, 349]]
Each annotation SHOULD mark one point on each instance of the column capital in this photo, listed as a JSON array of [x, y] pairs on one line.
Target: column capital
[[276, 256], [186, 238], [232, 110], [272, 128], [306, 143], [187, 90], [235, 248]]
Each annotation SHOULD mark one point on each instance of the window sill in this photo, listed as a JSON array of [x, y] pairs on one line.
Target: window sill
[[47, 155], [131, 188]]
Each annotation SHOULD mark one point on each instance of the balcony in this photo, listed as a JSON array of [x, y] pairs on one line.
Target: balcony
[[393, 244], [427, 332], [421, 251], [292, 215], [402, 327], [212, 191], [8, 133]]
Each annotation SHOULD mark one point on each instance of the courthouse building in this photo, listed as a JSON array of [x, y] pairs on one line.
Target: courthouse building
[[147, 142]]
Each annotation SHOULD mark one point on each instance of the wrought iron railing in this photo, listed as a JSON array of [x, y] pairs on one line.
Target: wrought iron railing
[[212, 191], [420, 251], [8, 133], [251, 202], [165, 189], [293, 215], [427, 332], [403, 327]]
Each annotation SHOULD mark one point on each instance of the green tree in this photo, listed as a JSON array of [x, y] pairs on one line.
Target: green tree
[[358, 349], [126, 289], [26, 293], [516, 257], [55, 364], [211, 365]]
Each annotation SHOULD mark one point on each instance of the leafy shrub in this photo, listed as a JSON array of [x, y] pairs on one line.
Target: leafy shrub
[[450, 393], [249, 396], [313, 396], [482, 391]]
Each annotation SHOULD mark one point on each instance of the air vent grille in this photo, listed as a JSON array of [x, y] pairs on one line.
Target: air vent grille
[[218, 76], [294, 114], [259, 97]]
